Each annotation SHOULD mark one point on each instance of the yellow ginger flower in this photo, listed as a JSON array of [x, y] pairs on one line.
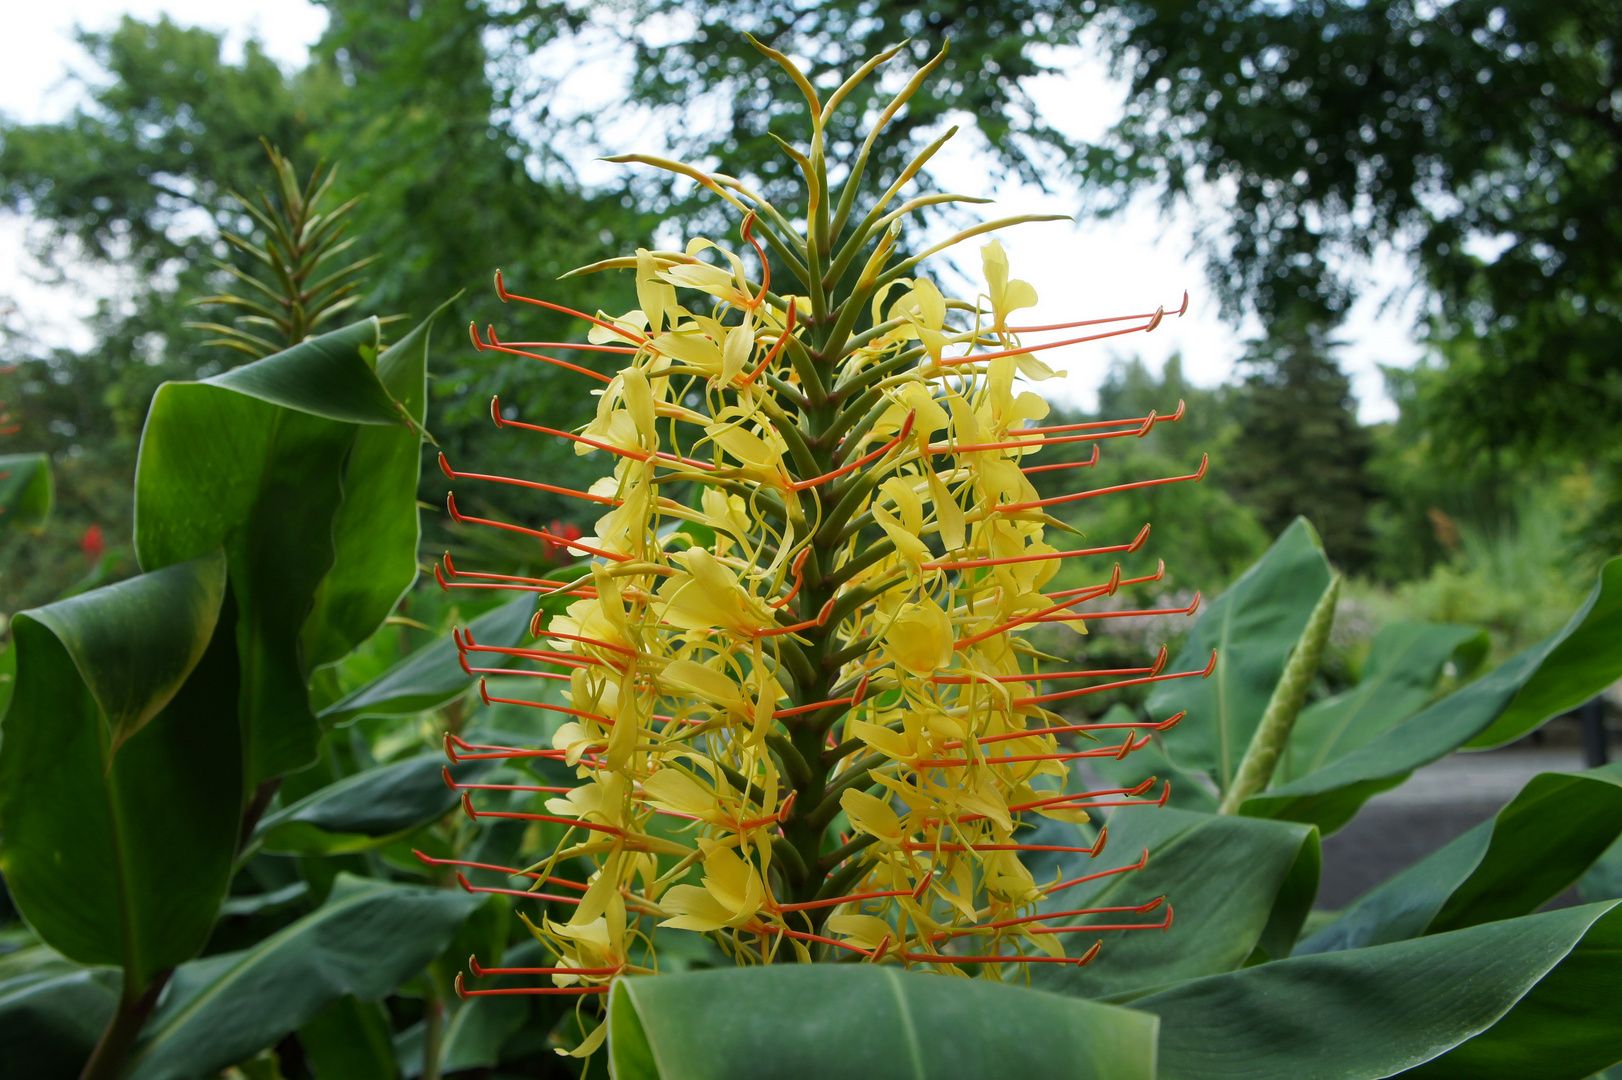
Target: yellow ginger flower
[[800, 711]]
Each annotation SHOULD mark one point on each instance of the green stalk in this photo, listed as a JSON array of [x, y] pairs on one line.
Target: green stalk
[[118, 1038], [1271, 735]]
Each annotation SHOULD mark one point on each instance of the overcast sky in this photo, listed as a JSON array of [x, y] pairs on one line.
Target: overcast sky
[[1129, 264]]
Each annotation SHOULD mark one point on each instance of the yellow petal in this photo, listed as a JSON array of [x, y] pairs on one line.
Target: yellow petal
[[703, 683], [673, 789], [695, 909], [920, 639], [864, 930], [871, 815]]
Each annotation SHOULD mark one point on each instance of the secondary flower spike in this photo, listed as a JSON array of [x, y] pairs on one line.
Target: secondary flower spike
[[800, 714]]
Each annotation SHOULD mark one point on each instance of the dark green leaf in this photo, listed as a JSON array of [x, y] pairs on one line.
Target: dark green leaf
[[1252, 626], [1225, 879], [1398, 678], [1524, 997], [368, 809], [349, 1040], [433, 675], [367, 938], [828, 1020], [1519, 688], [122, 858], [26, 491], [1529, 853], [51, 1017], [1189, 790]]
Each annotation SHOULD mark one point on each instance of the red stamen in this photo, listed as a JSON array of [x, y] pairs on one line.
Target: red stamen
[[782, 339], [1089, 463], [1063, 694], [940, 958], [445, 467], [1193, 607], [595, 444], [1196, 476], [1026, 349], [974, 564], [463, 992], [906, 429], [1166, 925], [799, 579], [1139, 865], [550, 538], [619, 331], [1094, 322], [499, 347], [431, 861], [468, 886], [467, 807]]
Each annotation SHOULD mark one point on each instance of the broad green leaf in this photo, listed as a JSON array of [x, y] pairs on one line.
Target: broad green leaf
[[827, 1020], [1604, 879], [1233, 887], [367, 939], [1508, 1000], [26, 491], [433, 675], [349, 1040], [1528, 854], [51, 1016], [254, 461], [1519, 688], [376, 529], [120, 794], [1252, 626], [326, 376], [368, 809], [1580, 661], [1398, 678]]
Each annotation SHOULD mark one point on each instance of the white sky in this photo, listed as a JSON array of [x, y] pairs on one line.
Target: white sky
[[1132, 263]]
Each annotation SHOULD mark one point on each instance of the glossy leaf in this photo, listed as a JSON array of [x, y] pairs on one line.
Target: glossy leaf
[[367, 939], [433, 675], [1234, 888], [1190, 790], [1506, 1000], [1398, 679], [824, 1020], [1529, 853], [254, 461], [1519, 688], [1252, 626], [368, 809], [120, 794], [26, 491], [376, 529]]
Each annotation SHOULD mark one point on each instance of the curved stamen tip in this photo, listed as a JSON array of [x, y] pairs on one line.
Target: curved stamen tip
[[467, 808], [495, 410], [461, 992], [473, 966], [1160, 313], [1178, 415], [445, 466], [483, 691], [1140, 539], [1090, 955], [445, 770], [1193, 607], [1205, 459], [450, 506], [1206, 674], [1160, 662], [1180, 313], [501, 289], [473, 332]]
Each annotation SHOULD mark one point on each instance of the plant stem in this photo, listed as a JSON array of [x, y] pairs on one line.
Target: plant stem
[[113, 1048], [433, 1024], [1261, 757]]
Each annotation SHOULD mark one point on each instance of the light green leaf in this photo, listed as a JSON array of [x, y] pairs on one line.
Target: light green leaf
[[367, 939], [376, 529], [368, 809], [1529, 853], [433, 675], [1252, 626], [1234, 888], [26, 491], [1404, 662], [1520, 688], [120, 794], [1506, 1000], [834, 1020], [325, 376]]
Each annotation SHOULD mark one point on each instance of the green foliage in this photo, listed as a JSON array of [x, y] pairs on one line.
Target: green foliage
[[815, 1020], [26, 491], [1505, 999]]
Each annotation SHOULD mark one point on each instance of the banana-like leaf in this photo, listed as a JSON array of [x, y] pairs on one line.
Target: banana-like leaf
[[1190, 790], [51, 1012], [349, 1040], [1252, 626], [26, 491], [1528, 854], [367, 939], [1234, 888], [254, 461], [1604, 879], [368, 809], [1529, 689], [824, 1020], [433, 675], [376, 530], [120, 788], [1508, 1000], [1398, 679]]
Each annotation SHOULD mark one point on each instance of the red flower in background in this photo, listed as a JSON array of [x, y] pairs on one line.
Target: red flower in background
[[92, 544]]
